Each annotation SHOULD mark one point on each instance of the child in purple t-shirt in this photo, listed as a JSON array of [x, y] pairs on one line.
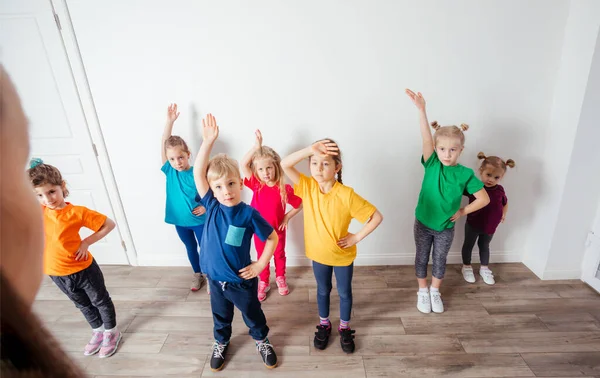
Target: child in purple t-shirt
[[482, 224]]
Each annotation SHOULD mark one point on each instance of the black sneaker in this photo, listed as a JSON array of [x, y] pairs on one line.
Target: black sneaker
[[322, 336], [266, 351], [347, 339], [218, 356]]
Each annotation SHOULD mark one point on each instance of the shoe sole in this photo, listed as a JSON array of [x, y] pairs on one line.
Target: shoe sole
[[93, 352], [271, 367], [219, 369], [284, 293], [437, 312], [424, 312], [116, 347]]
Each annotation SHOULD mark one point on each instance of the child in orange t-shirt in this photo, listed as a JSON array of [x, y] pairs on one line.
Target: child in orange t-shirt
[[67, 260]]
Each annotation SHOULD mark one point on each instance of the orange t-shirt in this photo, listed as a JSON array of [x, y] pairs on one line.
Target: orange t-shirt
[[61, 228]]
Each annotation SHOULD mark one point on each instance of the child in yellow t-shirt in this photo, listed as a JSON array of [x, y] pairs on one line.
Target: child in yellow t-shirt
[[329, 206], [67, 260]]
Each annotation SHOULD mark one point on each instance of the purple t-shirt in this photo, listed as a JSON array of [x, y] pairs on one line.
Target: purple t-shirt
[[487, 219]]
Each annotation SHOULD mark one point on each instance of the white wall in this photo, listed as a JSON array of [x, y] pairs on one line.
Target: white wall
[[582, 184], [567, 195], [301, 71]]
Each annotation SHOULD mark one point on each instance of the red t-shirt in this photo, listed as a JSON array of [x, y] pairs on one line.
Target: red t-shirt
[[267, 200]]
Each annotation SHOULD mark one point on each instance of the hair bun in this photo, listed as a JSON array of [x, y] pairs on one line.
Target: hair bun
[[464, 126], [35, 162], [481, 156], [435, 125]]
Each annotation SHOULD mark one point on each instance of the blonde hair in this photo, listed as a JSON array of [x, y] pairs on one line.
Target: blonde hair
[[41, 174], [495, 162], [268, 153], [449, 132], [222, 165], [337, 159], [177, 141]]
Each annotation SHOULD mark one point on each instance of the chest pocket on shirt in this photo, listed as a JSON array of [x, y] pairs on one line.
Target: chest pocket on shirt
[[235, 236]]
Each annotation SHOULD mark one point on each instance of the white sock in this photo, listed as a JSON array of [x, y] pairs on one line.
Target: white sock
[[99, 329], [423, 290], [112, 330], [435, 289]]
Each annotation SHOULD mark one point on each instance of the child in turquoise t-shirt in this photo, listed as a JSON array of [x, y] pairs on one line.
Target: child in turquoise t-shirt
[[182, 208], [439, 202]]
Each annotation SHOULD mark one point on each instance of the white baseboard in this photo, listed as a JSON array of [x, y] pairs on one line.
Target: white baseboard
[[562, 275], [454, 257]]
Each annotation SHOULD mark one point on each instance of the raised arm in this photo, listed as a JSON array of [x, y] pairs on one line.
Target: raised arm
[[210, 133], [172, 115], [322, 147], [247, 159], [419, 101]]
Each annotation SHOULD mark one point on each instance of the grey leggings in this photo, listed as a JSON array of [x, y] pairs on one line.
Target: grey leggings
[[425, 237]]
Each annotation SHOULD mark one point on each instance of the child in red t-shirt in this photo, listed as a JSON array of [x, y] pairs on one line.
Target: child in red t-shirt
[[263, 174]]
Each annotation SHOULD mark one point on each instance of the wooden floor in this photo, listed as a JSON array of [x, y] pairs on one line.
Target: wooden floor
[[521, 327]]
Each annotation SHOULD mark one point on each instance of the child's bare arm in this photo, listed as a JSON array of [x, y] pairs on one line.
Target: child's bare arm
[[323, 147], [247, 159], [254, 269], [172, 115], [352, 239], [481, 201], [210, 133], [419, 101], [82, 252]]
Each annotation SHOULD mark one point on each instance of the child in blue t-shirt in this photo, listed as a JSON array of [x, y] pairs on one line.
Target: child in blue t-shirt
[[230, 225], [182, 208]]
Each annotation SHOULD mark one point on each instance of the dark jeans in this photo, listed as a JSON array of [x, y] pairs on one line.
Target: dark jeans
[[192, 237], [244, 296], [87, 290], [343, 277], [483, 242]]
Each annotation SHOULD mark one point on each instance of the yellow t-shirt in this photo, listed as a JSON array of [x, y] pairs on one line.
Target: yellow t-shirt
[[327, 217], [62, 238]]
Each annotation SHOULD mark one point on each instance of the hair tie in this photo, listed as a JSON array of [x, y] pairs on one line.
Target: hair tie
[[35, 162]]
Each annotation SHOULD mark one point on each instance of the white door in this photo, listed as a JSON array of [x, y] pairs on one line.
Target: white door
[[591, 259], [32, 51]]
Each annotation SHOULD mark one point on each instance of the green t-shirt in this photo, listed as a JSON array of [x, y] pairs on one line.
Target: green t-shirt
[[442, 191]]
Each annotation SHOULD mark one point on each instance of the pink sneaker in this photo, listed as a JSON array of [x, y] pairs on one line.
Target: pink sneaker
[[110, 343], [263, 288], [93, 346], [282, 286]]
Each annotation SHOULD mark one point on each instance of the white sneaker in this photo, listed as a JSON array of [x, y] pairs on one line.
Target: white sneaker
[[423, 302], [436, 302], [487, 276], [468, 274]]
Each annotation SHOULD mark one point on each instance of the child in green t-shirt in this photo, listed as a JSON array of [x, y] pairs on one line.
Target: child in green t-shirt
[[439, 202]]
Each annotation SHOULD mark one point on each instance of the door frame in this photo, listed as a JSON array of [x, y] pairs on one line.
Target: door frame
[[71, 48], [590, 263]]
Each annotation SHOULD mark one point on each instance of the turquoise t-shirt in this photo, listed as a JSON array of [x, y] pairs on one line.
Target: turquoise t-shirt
[[442, 191], [181, 197]]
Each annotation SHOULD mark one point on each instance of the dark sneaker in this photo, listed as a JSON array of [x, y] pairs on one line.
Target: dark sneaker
[[347, 340], [218, 356], [266, 351], [322, 336]]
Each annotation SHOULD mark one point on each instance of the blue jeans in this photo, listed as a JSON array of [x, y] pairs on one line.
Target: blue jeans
[[189, 236], [343, 277], [244, 296]]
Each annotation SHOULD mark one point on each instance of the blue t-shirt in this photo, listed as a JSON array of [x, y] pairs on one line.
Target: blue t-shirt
[[181, 197], [227, 236]]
